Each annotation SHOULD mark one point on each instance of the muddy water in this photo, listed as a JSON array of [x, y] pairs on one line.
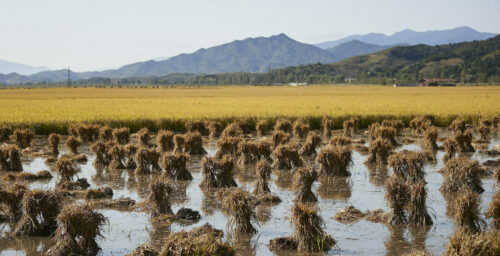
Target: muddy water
[[364, 190]]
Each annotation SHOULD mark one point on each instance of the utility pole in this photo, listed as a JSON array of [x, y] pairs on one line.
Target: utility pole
[[69, 77]]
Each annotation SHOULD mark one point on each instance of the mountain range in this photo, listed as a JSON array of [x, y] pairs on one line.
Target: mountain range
[[258, 55], [7, 67], [410, 37]]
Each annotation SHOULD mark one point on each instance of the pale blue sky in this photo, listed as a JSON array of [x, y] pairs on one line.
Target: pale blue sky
[[97, 34]]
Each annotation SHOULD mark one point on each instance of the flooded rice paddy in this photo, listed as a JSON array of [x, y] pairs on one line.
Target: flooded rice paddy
[[126, 230]]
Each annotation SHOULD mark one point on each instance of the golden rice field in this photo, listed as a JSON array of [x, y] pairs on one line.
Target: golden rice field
[[54, 108]]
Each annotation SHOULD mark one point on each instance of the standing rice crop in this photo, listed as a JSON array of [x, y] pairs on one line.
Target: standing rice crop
[[335, 160], [303, 179], [313, 141], [54, 143], [165, 140], [121, 135], [73, 143], [240, 205], [300, 128], [327, 125], [308, 231]]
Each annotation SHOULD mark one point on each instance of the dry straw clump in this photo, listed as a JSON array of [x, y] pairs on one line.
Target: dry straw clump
[[130, 151], [335, 160], [327, 125], [193, 144], [240, 205], [23, 137], [159, 197], [5, 132], [417, 206], [484, 132], [117, 153], [122, 203], [396, 194], [165, 140], [248, 152], [308, 231], [264, 149], [450, 149], [303, 180], [217, 173], [78, 228], [54, 140], [215, 129], [143, 162], [106, 133], [287, 156], [378, 152], [461, 175], [381, 132], [227, 146], [398, 125], [40, 209], [73, 143], [204, 240], [350, 127], [86, 132], [100, 149], [196, 126], [261, 127], [408, 166], [175, 166], [280, 137], [10, 202], [121, 135], [154, 160], [458, 125], [464, 141], [26, 176], [466, 243], [419, 124], [312, 142], [349, 214], [98, 193], [430, 137], [232, 130], [144, 138], [340, 141], [283, 125], [263, 171], [494, 210], [10, 159], [300, 128], [179, 141], [467, 212]]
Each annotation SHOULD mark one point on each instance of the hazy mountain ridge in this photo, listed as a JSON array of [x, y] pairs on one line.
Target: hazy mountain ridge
[[435, 37], [7, 67]]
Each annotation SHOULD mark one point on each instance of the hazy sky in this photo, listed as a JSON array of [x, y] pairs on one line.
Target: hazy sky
[[98, 34]]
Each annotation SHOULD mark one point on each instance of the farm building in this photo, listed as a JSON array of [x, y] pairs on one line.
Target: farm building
[[437, 82]]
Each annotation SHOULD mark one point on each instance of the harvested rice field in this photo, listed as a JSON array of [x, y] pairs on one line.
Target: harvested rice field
[[54, 109], [252, 189]]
